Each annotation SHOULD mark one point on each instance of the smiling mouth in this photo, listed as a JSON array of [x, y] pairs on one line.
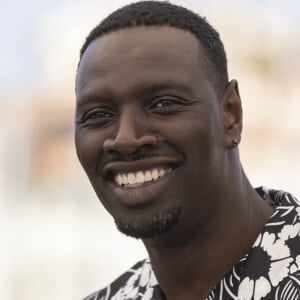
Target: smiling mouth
[[139, 178]]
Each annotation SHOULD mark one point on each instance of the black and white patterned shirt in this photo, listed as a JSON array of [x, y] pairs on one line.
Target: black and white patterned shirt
[[270, 271]]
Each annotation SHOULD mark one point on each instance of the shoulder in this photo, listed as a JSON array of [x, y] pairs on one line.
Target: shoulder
[[272, 267], [138, 277], [286, 207], [277, 197], [284, 224]]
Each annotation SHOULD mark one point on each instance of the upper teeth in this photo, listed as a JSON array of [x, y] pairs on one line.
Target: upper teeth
[[137, 178]]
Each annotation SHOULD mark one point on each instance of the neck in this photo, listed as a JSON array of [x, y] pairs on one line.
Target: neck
[[190, 266]]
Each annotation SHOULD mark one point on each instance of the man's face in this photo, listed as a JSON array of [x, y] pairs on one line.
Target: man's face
[[149, 129]]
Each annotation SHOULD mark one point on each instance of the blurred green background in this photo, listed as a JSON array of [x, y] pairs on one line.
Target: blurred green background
[[56, 240]]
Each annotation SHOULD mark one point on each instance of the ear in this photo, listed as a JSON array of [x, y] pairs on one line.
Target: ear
[[233, 115]]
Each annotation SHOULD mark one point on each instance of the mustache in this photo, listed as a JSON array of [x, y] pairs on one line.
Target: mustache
[[142, 153], [117, 157]]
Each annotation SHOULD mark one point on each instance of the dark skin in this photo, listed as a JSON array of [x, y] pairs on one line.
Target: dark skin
[[151, 104]]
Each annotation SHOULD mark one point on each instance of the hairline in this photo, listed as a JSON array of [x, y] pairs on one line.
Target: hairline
[[203, 58]]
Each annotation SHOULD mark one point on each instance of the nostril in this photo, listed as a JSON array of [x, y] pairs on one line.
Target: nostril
[[129, 146], [149, 140]]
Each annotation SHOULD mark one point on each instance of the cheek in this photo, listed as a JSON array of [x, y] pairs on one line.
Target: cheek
[[88, 148], [198, 139], [189, 134]]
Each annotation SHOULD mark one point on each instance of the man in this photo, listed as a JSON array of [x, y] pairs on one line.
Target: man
[[157, 131]]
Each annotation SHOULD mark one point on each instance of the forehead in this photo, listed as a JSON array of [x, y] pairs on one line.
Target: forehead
[[148, 53]]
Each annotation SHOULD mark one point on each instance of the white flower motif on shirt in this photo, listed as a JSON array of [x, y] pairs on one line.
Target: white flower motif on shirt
[[295, 266], [290, 234], [139, 286], [273, 260]]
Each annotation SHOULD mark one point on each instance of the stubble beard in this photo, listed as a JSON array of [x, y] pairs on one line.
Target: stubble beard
[[149, 227]]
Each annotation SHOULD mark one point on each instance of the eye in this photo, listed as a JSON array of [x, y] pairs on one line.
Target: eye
[[165, 102], [97, 117], [168, 105]]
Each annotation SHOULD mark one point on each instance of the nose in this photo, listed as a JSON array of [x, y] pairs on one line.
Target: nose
[[131, 135]]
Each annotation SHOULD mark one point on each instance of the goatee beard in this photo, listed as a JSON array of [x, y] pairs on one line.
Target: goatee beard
[[152, 226]]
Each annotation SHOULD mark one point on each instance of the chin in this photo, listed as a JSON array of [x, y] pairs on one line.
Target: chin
[[150, 226]]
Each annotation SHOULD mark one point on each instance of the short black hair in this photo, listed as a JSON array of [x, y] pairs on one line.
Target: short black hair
[[159, 13]]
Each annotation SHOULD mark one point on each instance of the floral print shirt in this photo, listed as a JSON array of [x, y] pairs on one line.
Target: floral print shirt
[[270, 271]]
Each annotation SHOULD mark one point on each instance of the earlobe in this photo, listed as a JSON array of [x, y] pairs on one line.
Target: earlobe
[[233, 116]]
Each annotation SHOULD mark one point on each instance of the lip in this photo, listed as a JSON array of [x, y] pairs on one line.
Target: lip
[[140, 195], [146, 193], [113, 168]]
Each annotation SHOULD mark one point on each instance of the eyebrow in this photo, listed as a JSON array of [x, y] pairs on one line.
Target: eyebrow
[[144, 88], [166, 85]]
